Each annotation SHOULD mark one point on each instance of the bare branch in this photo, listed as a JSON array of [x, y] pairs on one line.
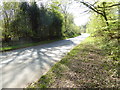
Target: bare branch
[[92, 8], [86, 11]]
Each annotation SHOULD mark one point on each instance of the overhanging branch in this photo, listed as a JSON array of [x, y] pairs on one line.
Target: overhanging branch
[[92, 8]]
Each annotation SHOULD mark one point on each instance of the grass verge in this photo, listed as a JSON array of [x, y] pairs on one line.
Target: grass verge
[[86, 66], [8, 48], [13, 47]]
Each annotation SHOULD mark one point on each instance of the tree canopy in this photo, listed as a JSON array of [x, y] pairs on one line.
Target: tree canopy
[[105, 24], [30, 21]]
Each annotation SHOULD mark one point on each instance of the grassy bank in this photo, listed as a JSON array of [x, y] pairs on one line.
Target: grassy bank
[[24, 45], [86, 66]]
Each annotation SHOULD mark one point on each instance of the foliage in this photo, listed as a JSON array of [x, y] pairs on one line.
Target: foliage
[[20, 26], [8, 11], [28, 21], [69, 28], [108, 33]]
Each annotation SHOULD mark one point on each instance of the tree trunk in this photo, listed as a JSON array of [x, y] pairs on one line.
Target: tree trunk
[[104, 14]]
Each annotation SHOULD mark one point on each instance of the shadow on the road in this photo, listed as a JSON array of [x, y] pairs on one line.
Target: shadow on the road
[[14, 54], [35, 59]]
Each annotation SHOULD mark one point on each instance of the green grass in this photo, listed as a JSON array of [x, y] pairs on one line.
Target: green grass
[[86, 66], [24, 45]]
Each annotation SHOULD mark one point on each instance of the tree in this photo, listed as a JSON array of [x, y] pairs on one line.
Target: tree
[[105, 23], [8, 11], [101, 8], [57, 21], [64, 7], [27, 20], [20, 26], [34, 14]]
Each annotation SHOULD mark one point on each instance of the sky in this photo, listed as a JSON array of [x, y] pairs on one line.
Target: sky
[[76, 10], [80, 18]]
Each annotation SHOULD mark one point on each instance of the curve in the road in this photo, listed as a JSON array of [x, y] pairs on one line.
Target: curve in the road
[[23, 66]]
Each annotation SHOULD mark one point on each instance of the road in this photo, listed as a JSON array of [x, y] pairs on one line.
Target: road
[[23, 66]]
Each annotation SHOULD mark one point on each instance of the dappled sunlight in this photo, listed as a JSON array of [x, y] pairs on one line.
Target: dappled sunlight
[[36, 34], [23, 66], [87, 68]]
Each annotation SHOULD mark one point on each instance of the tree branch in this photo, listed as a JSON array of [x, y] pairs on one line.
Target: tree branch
[[92, 8], [111, 5]]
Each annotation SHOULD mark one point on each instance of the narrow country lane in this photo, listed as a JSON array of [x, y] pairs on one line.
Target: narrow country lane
[[23, 66]]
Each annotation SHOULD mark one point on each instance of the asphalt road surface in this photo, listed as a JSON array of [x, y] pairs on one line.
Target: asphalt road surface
[[23, 66]]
